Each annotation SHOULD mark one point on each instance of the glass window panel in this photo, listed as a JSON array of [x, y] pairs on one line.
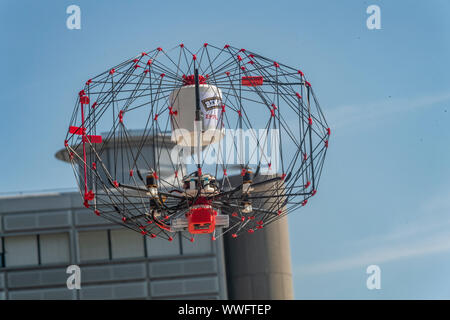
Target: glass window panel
[[21, 251], [93, 245], [1, 253], [202, 244], [126, 243], [54, 248], [157, 247]]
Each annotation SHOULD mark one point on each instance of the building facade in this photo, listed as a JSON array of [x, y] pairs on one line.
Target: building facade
[[41, 235]]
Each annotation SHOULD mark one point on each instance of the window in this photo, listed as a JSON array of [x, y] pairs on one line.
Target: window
[[34, 250], [2, 258], [157, 247], [93, 245], [21, 251], [126, 243], [54, 248], [202, 244]]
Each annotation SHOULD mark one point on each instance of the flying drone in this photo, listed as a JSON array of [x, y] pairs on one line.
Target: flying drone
[[214, 141]]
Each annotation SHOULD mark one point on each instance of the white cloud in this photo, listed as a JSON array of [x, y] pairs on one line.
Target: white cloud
[[428, 234], [433, 244], [363, 113]]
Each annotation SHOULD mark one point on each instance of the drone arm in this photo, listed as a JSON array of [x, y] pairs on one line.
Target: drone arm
[[126, 186], [252, 185], [254, 209]]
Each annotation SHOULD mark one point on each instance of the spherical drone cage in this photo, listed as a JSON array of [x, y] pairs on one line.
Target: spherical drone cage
[[134, 178]]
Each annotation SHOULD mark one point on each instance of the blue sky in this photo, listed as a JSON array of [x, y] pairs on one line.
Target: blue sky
[[385, 191]]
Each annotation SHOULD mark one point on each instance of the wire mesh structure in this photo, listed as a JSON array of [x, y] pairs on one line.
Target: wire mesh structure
[[211, 141]]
